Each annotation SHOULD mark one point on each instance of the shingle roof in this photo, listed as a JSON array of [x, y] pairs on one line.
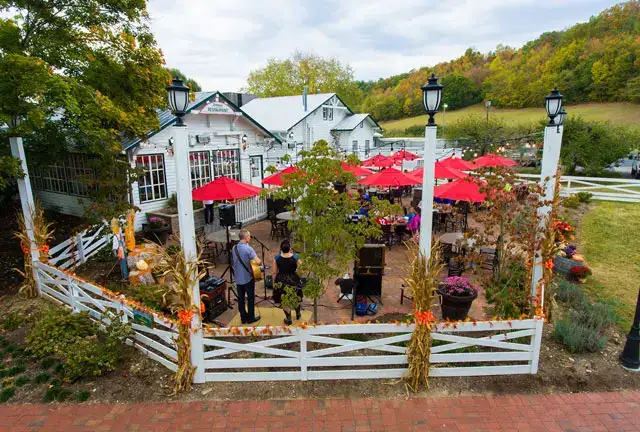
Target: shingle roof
[[350, 122], [166, 118], [283, 112]]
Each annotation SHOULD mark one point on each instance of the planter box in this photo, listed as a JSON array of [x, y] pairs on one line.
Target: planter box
[[564, 265], [172, 219]]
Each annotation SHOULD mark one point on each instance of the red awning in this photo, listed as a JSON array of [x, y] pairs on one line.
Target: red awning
[[379, 161], [356, 170], [389, 177], [404, 155], [458, 164], [441, 172], [460, 190], [276, 179], [494, 160], [224, 189]]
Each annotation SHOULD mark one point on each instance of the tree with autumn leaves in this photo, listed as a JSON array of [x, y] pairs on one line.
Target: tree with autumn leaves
[[83, 75]]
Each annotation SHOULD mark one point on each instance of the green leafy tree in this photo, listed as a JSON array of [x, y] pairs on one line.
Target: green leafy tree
[[324, 238], [593, 145], [459, 91], [288, 77], [84, 74], [189, 82]]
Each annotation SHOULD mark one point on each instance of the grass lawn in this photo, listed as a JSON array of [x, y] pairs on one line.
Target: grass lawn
[[609, 235], [618, 113]]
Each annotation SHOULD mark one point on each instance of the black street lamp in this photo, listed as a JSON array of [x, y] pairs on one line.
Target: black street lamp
[[178, 96], [431, 97], [553, 105], [630, 356]]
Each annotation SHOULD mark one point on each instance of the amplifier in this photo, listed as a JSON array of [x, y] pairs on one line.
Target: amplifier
[[227, 214], [213, 293], [368, 285]]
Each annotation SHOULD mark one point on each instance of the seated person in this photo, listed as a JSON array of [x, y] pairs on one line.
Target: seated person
[[414, 223], [382, 221], [411, 213], [364, 195], [364, 210]]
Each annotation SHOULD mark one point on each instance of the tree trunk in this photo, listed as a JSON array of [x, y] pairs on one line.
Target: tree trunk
[[315, 310]]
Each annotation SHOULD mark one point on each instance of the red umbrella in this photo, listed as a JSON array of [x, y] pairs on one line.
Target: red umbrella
[[379, 161], [389, 177], [458, 164], [276, 179], [356, 170], [441, 172], [224, 189], [459, 190], [404, 155], [494, 160]]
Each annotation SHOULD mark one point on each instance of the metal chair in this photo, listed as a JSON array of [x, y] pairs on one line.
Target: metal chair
[[489, 259], [456, 268]]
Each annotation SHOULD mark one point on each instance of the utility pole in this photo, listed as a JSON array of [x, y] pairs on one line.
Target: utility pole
[[487, 105]]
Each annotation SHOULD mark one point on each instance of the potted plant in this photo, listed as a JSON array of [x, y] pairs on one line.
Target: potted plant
[[158, 230], [457, 295]]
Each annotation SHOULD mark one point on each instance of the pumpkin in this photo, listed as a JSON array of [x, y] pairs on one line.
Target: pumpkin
[[578, 257]]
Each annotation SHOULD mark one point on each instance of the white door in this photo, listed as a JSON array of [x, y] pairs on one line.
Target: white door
[[256, 170]]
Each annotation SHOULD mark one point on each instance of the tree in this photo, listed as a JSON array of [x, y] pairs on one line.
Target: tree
[[459, 91], [288, 77], [83, 74], [594, 146], [324, 237], [189, 82]]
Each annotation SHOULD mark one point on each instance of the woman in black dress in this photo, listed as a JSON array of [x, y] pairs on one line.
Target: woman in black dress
[[285, 268]]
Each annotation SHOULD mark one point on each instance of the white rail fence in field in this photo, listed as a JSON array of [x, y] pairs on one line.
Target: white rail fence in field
[[78, 249], [603, 189], [62, 288], [251, 210], [358, 351]]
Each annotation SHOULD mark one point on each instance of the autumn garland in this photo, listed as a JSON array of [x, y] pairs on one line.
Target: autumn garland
[[42, 234], [423, 284]]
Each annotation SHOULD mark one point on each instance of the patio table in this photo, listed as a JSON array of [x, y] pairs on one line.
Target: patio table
[[453, 238], [221, 236]]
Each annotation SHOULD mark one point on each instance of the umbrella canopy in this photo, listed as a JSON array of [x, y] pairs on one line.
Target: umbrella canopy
[[379, 161], [459, 190], [276, 179], [224, 189], [404, 155], [494, 160], [458, 164], [356, 170], [441, 172], [389, 177]]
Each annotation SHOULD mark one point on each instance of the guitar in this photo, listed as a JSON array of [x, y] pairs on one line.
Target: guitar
[[256, 270]]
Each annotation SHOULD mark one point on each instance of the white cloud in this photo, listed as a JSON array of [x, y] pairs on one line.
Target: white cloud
[[219, 42]]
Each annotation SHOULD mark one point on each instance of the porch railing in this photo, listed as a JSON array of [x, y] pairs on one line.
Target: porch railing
[[251, 210], [602, 189]]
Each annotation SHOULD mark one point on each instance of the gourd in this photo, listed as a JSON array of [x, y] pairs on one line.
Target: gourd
[[578, 257]]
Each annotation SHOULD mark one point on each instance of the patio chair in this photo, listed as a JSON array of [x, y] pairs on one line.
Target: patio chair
[[387, 235], [448, 253], [400, 232], [456, 268], [403, 296], [455, 221], [489, 259], [278, 227]]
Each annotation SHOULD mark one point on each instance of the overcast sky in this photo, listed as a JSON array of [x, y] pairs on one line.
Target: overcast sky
[[218, 42]]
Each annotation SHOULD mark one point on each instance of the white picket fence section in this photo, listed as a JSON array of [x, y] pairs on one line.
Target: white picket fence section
[[326, 352], [78, 249], [251, 210], [65, 289], [603, 189]]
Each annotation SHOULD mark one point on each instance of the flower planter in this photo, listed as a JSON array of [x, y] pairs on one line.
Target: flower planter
[[564, 265], [455, 308], [172, 219]]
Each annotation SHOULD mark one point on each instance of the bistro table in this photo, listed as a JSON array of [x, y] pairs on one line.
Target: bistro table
[[287, 216], [453, 238], [221, 236]]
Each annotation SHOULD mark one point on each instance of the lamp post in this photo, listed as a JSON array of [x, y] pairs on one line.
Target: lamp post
[[178, 96], [630, 356], [431, 97], [550, 158], [444, 114]]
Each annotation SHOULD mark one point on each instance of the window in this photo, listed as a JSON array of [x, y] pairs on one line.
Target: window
[[354, 147], [71, 177], [200, 168], [226, 163], [367, 147], [79, 174], [152, 184], [327, 113], [53, 178], [256, 166], [362, 124]]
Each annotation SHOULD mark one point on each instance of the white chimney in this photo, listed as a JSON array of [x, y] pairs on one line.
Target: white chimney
[[304, 98]]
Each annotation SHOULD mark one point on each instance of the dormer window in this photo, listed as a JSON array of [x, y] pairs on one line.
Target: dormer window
[[327, 113]]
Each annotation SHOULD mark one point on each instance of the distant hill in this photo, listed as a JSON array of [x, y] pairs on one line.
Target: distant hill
[[596, 61]]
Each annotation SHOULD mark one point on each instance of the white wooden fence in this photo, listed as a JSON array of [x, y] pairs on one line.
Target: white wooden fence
[[603, 189], [251, 210], [78, 249], [65, 289], [359, 351]]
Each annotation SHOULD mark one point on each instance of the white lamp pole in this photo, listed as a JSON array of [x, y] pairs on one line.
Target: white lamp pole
[[550, 158], [26, 195], [178, 102], [431, 97]]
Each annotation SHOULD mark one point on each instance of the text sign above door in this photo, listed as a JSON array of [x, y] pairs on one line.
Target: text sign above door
[[217, 108]]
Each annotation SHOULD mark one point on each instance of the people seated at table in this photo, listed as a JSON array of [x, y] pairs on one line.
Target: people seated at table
[[364, 195], [364, 210], [414, 223], [285, 266], [411, 213]]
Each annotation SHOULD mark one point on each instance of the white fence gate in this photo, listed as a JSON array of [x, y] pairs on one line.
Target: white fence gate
[[603, 189], [78, 249]]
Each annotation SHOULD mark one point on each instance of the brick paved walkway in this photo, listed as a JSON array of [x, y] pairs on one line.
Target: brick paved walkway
[[573, 412]]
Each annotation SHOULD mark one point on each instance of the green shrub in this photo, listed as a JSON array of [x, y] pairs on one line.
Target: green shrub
[[583, 329], [571, 201], [9, 349], [571, 294], [82, 395], [58, 368], [47, 362], [56, 393], [12, 321], [21, 380], [509, 293], [584, 197], [149, 295], [7, 394], [15, 370], [43, 377], [86, 350], [7, 382]]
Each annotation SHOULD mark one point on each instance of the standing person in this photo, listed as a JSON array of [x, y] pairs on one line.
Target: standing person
[[246, 284], [208, 212], [285, 267]]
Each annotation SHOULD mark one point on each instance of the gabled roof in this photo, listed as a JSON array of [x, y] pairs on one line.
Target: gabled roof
[[166, 118], [352, 121], [284, 112]]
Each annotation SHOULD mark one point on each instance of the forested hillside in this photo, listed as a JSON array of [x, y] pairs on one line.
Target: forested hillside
[[596, 61]]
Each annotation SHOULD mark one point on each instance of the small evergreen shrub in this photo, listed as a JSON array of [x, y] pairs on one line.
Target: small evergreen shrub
[[7, 382], [15, 370], [43, 377], [584, 197], [583, 329], [47, 362], [6, 394], [56, 393], [571, 294], [82, 395], [12, 321], [571, 201], [21, 380]]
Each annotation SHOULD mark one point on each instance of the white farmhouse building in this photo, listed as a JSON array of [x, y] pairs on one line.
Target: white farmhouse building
[[299, 121], [223, 140]]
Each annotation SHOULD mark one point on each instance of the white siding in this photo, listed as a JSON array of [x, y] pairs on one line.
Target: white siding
[[62, 203]]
